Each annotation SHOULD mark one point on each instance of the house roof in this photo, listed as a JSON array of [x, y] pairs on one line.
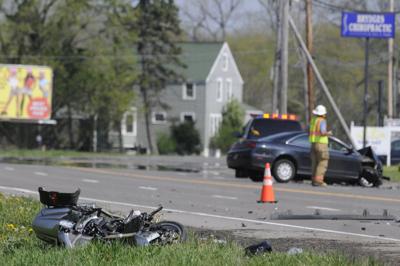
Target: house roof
[[199, 59]]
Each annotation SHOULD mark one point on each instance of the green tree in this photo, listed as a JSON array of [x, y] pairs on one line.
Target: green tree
[[89, 46], [232, 121], [158, 25]]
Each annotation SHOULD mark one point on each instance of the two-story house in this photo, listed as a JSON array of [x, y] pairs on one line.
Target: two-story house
[[212, 79]]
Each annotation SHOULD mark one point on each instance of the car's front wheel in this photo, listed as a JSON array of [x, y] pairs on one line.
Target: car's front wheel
[[369, 177], [283, 170]]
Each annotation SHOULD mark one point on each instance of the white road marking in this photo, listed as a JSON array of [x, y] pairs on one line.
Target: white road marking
[[90, 181], [149, 188], [19, 190], [41, 173], [9, 168], [224, 197], [323, 208], [219, 216]]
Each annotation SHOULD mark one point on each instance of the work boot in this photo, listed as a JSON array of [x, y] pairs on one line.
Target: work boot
[[318, 184]]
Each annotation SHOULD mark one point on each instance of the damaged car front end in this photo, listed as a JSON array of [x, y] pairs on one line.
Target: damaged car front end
[[372, 168]]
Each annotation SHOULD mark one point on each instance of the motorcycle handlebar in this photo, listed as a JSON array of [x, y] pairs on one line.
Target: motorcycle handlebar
[[155, 211]]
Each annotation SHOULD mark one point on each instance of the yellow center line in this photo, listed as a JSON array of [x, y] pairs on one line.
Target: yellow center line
[[236, 185]]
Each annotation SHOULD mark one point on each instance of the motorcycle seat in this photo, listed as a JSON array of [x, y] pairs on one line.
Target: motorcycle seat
[[58, 199]]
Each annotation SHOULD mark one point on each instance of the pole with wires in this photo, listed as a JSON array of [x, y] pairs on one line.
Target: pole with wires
[[390, 70], [309, 42]]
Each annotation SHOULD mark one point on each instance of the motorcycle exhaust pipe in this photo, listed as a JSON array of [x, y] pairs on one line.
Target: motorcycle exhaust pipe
[[144, 239]]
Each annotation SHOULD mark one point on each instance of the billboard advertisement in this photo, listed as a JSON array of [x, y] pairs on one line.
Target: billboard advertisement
[[377, 137], [25, 92], [372, 25]]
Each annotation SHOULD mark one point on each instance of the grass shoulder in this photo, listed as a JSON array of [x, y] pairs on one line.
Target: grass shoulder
[[19, 246], [392, 172]]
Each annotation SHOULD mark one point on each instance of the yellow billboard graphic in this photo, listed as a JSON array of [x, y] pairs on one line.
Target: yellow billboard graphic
[[25, 92]]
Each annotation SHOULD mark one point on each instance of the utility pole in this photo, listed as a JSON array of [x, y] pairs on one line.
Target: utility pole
[[321, 81], [309, 43], [284, 56], [365, 113], [380, 98], [277, 65], [390, 70]]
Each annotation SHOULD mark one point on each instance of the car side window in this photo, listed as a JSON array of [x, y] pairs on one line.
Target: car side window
[[301, 141], [333, 145], [396, 145]]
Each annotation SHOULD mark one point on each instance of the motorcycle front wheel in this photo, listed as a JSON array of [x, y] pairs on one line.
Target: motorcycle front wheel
[[170, 232]]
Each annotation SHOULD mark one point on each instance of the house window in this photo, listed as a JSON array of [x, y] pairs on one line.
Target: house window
[[220, 85], [229, 91], [159, 118], [225, 62], [189, 91], [215, 120], [187, 116]]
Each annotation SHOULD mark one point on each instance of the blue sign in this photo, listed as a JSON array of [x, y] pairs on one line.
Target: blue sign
[[372, 25]]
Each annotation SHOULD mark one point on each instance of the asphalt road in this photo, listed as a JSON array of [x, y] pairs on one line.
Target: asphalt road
[[213, 199]]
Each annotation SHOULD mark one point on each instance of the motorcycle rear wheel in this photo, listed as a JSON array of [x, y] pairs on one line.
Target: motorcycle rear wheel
[[171, 232]]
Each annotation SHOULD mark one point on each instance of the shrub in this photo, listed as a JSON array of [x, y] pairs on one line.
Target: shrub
[[186, 137], [165, 144], [232, 120]]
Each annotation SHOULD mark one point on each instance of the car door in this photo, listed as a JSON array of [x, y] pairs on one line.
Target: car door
[[302, 147], [343, 162]]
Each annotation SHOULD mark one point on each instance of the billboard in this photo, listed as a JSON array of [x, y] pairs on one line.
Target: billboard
[[25, 92], [377, 137], [372, 25]]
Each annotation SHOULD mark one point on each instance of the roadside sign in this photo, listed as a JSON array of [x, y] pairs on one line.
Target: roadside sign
[[368, 25], [25, 92], [377, 137]]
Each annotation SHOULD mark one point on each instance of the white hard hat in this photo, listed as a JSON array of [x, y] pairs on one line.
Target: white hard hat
[[319, 110]]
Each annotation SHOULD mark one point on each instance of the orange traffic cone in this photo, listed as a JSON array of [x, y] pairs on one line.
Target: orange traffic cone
[[267, 192]]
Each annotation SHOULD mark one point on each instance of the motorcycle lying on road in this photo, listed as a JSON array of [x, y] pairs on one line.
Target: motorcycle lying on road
[[63, 222]]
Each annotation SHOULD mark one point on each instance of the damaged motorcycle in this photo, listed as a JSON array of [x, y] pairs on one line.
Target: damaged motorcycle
[[63, 222]]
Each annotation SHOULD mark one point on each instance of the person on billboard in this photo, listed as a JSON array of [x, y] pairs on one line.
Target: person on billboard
[[43, 84], [29, 82], [14, 92]]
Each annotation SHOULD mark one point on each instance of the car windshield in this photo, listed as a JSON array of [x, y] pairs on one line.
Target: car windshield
[[265, 127]]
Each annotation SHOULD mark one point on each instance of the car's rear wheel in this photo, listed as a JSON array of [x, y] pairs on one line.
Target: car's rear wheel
[[283, 170]]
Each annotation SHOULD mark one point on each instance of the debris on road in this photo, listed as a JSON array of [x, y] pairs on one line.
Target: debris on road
[[319, 216], [294, 251], [258, 249]]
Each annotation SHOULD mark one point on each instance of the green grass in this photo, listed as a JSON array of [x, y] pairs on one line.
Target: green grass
[[392, 172], [19, 246]]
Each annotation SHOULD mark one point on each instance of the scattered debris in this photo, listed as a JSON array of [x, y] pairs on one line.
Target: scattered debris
[[294, 251], [244, 225], [258, 249], [318, 215]]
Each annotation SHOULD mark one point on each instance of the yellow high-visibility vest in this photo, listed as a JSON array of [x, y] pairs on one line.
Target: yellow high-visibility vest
[[315, 132]]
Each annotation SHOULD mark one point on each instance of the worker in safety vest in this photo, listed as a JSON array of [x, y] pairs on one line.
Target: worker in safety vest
[[319, 145]]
